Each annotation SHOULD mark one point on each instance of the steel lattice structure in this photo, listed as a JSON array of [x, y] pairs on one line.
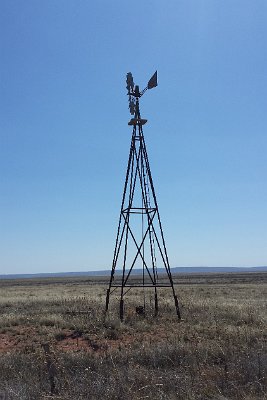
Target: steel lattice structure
[[140, 241]]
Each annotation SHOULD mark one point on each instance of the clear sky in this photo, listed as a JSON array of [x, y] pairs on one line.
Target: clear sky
[[64, 138]]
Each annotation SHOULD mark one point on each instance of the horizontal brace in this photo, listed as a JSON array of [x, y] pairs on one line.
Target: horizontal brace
[[141, 286], [138, 210]]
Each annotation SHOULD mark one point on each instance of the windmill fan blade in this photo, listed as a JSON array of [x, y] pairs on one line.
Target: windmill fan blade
[[129, 81], [153, 81]]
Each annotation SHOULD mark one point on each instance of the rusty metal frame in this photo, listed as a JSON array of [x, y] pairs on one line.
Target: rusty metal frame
[[138, 170]]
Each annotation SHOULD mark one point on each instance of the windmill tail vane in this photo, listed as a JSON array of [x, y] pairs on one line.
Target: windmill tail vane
[[153, 81]]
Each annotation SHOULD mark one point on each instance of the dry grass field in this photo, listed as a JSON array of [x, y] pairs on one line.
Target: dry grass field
[[54, 338]]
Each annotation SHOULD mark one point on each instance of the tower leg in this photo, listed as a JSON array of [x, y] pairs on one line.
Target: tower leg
[[107, 298], [121, 309], [156, 303], [175, 299]]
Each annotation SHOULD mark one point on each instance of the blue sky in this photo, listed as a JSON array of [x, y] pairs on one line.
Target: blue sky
[[64, 138]]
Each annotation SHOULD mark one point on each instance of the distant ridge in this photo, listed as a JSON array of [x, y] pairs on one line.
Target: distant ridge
[[175, 270]]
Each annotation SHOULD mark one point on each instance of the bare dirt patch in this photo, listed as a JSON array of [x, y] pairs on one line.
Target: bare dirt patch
[[24, 338]]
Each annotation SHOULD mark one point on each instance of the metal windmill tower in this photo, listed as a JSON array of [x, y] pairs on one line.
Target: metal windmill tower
[[140, 244]]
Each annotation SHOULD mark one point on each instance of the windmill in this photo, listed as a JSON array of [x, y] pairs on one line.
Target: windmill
[[140, 245]]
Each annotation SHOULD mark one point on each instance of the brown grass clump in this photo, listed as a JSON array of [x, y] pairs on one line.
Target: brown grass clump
[[217, 352]]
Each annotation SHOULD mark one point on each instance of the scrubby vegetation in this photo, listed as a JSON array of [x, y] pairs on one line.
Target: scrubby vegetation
[[54, 338]]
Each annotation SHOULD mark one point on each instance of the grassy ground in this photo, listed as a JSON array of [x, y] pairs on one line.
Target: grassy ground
[[218, 351]]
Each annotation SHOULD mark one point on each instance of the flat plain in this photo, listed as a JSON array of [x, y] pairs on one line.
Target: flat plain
[[56, 342]]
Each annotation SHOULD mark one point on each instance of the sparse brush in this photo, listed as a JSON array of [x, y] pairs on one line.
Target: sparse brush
[[217, 352]]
